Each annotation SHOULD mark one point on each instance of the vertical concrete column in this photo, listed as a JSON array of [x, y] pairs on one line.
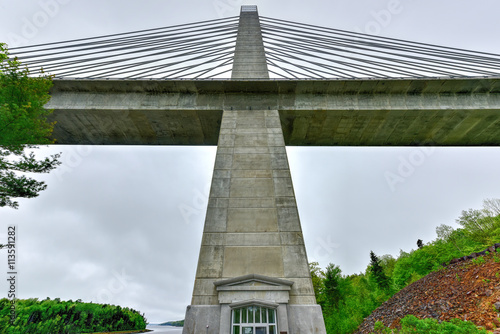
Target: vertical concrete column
[[282, 318], [249, 56], [252, 224], [225, 319]]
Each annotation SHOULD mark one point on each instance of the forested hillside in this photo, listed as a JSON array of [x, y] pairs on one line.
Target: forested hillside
[[347, 299], [56, 316], [179, 323], [466, 290]]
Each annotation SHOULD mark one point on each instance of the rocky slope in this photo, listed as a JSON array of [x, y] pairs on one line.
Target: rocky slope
[[468, 289]]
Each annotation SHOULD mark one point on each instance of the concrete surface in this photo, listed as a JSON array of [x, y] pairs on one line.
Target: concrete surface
[[252, 247], [393, 112], [252, 224], [249, 56]]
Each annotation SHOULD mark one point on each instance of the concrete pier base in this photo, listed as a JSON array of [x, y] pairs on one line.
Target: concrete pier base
[[198, 317], [294, 319], [306, 319]]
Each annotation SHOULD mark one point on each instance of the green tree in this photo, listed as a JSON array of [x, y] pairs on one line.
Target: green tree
[[388, 262], [445, 233], [334, 285], [378, 272], [491, 207], [317, 276], [470, 220], [23, 125], [480, 224]]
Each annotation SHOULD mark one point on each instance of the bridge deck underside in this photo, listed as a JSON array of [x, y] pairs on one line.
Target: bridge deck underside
[[445, 112]]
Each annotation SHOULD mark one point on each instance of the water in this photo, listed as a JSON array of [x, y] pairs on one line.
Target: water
[[164, 329]]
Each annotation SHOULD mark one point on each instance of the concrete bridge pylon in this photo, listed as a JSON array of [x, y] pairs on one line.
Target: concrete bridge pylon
[[253, 275]]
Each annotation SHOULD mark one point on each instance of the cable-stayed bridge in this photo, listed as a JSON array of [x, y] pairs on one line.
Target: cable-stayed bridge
[[252, 85], [205, 50]]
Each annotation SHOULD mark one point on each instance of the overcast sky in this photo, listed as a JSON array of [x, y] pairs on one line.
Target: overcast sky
[[123, 225]]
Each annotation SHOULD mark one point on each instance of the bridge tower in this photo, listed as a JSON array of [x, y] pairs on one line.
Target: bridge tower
[[253, 274]]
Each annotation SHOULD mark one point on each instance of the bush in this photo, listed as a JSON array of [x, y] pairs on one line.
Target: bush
[[412, 325]]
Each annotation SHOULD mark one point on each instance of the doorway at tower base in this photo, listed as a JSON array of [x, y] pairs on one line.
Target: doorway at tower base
[[254, 304]]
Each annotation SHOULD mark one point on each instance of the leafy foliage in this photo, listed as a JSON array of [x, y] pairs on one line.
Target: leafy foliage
[[23, 125], [334, 286], [317, 276], [378, 272], [347, 300], [477, 223], [413, 325], [56, 316]]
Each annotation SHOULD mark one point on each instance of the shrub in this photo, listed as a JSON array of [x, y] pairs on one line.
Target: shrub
[[411, 324]]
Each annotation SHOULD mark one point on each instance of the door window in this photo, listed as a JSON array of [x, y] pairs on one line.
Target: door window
[[254, 320]]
